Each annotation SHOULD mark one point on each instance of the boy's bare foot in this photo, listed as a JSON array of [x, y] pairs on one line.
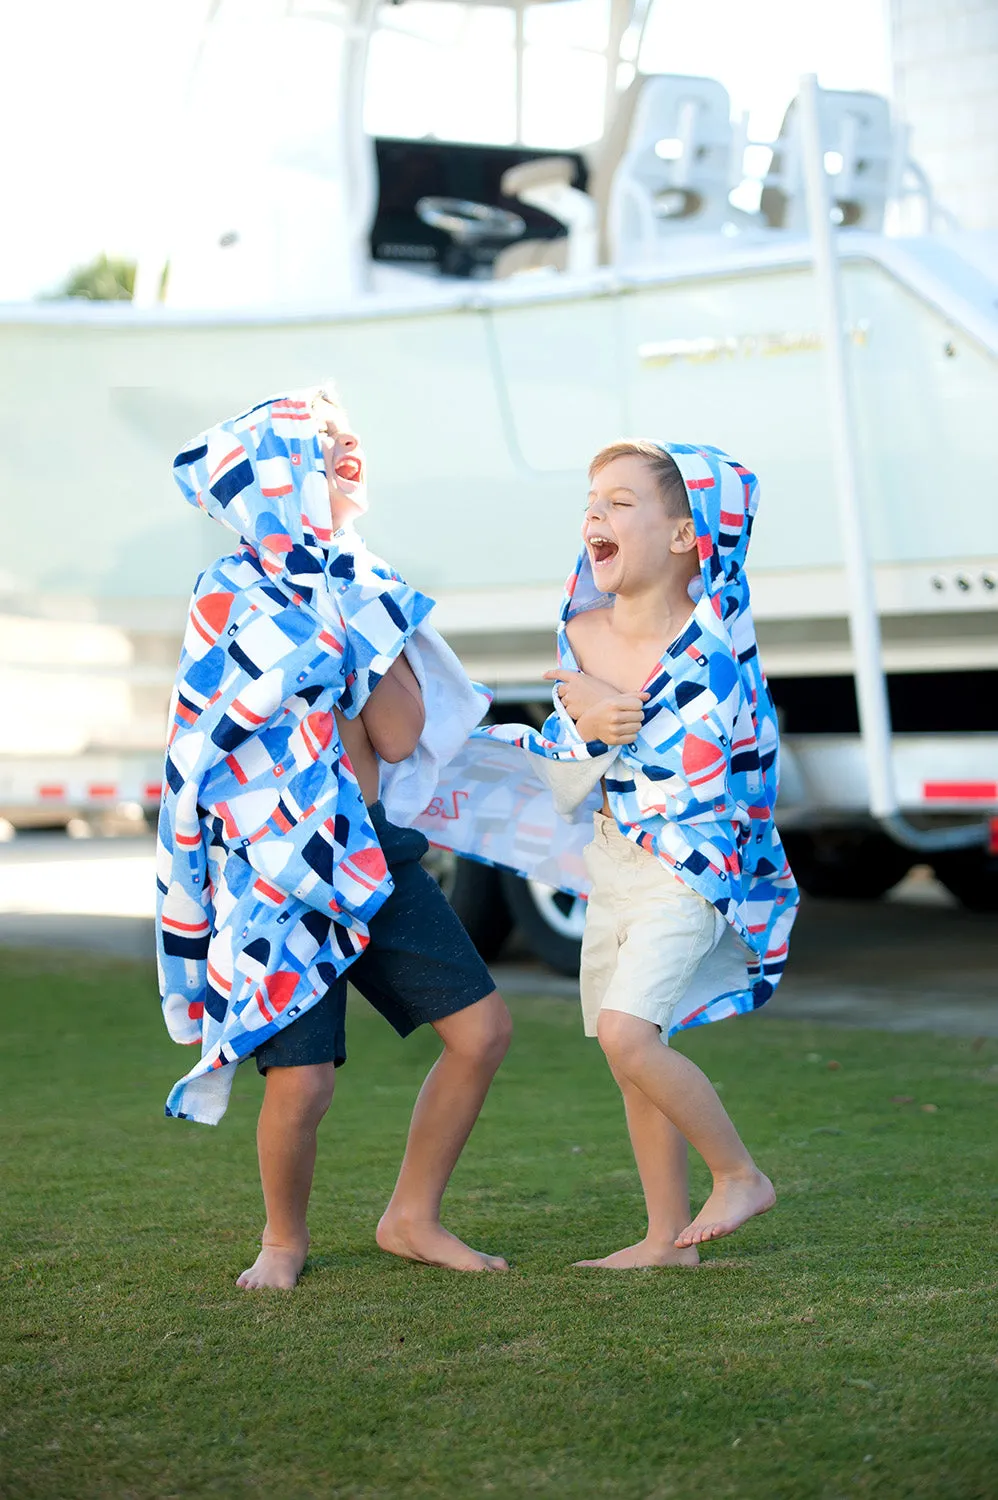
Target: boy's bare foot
[[643, 1256], [733, 1201], [433, 1245], [276, 1266]]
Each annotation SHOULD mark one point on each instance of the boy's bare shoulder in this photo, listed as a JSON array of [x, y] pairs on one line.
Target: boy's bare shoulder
[[588, 626]]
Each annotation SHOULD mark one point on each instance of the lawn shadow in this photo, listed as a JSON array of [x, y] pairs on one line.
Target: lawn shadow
[[350, 1259]]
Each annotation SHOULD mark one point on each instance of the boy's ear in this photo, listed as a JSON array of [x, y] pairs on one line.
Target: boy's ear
[[685, 537]]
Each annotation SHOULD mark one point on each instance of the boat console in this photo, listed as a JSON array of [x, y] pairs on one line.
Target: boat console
[[443, 206]]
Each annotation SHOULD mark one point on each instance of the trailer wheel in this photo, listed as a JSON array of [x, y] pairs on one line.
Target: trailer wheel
[[847, 864], [475, 893], [971, 875], [550, 921]]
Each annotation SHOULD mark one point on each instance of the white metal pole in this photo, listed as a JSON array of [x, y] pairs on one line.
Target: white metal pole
[[155, 253], [620, 19], [358, 158], [519, 70], [864, 621]]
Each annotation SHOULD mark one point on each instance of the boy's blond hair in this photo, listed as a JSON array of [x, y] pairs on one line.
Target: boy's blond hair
[[667, 476], [329, 394]]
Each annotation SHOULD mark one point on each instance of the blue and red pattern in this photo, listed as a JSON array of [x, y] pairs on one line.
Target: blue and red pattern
[[268, 867], [697, 788]]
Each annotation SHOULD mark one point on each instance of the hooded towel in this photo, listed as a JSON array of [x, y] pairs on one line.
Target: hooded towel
[[698, 786], [268, 868]]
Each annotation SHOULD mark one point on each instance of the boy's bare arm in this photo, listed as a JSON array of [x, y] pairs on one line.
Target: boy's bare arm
[[394, 715]]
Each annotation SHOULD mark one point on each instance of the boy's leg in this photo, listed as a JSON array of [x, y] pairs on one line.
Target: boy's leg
[[676, 1086], [421, 967], [294, 1101], [660, 1152], [475, 1040]]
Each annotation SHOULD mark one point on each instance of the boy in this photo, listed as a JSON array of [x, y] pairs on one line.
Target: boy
[[686, 867], [665, 727], [297, 710]]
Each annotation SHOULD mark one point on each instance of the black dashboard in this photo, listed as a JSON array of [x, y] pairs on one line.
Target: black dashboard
[[409, 170]]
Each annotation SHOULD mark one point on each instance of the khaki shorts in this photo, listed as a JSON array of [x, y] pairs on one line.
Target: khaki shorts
[[647, 932]]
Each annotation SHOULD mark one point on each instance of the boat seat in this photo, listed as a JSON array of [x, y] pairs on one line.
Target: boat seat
[[858, 143], [604, 160], [676, 172], [546, 183], [531, 255]]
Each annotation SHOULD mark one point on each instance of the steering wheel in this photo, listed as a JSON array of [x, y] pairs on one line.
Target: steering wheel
[[470, 223], [477, 232]]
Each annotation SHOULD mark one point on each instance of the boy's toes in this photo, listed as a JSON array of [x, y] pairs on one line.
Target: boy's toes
[[732, 1202], [275, 1267]]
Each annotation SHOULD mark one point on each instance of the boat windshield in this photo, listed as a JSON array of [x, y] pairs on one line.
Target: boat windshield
[[492, 74]]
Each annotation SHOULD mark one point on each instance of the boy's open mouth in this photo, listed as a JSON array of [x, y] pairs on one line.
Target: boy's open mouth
[[602, 549], [348, 468]]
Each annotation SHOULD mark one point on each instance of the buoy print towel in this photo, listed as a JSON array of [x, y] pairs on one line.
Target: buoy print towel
[[698, 786], [268, 867]]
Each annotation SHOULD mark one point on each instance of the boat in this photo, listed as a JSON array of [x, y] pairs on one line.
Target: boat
[[493, 313]]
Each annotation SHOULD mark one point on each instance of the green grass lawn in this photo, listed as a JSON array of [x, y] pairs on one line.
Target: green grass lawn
[[840, 1346]]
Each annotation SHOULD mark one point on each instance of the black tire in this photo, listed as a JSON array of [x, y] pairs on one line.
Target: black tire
[[972, 877], [558, 945], [475, 893], [847, 863]]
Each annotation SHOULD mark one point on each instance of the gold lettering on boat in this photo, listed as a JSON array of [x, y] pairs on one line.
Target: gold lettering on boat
[[707, 350]]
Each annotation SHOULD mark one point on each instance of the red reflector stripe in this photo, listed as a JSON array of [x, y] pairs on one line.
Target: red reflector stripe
[[53, 790], [98, 789], [960, 791]]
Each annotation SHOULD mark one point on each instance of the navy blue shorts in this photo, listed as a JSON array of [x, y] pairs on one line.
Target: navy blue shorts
[[420, 965]]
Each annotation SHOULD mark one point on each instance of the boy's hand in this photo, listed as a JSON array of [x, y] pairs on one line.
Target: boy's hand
[[599, 710], [615, 721], [578, 691]]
